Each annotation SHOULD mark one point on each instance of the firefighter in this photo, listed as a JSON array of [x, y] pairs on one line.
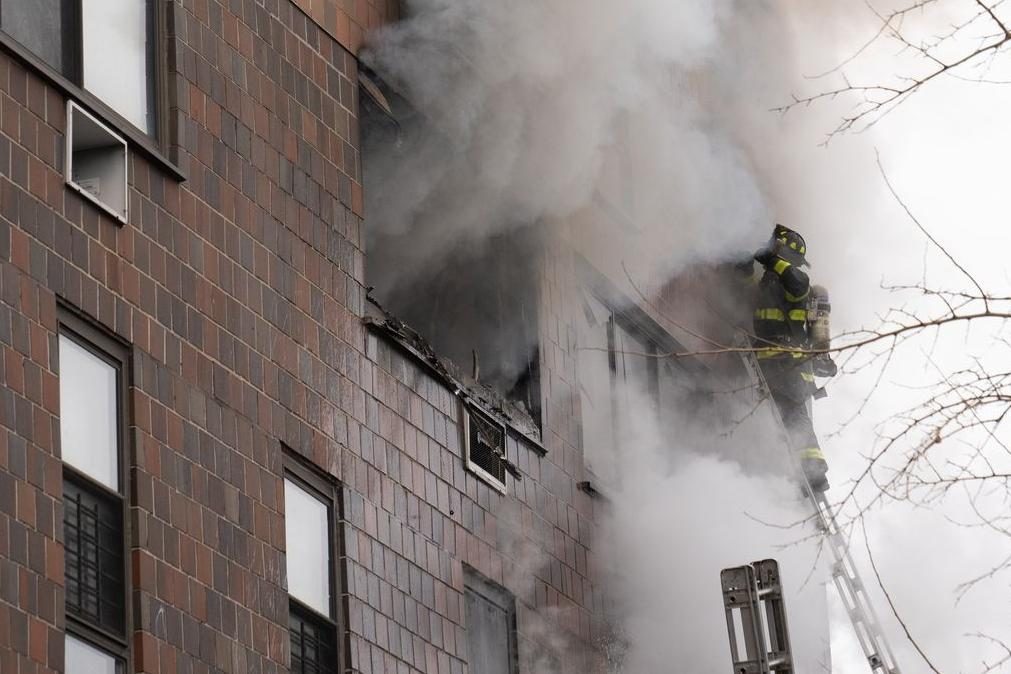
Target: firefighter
[[781, 320]]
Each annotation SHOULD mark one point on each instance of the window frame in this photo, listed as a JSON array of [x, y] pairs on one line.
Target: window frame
[[117, 354], [630, 317], [621, 320], [467, 412], [476, 582], [156, 143], [311, 479]]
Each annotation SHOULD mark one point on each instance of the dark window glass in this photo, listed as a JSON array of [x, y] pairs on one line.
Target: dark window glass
[[93, 536], [38, 25], [313, 650]]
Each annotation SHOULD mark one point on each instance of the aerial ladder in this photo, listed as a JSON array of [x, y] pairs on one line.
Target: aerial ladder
[[756, 619], [770, 656]]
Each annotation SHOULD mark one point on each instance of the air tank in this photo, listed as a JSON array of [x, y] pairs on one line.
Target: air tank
[[819, 309]]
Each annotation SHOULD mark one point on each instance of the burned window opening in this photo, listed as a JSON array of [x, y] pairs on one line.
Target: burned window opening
[[526, 391], [470, 394], [474, 299]]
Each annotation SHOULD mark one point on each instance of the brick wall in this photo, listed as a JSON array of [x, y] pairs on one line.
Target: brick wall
[[416, 517], [240, 294], [349, 20]]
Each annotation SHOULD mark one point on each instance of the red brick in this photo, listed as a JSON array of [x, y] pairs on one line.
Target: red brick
[[26, 503], [145, 652], [19, 249], [14, 370], [54, 561], [38, 640]]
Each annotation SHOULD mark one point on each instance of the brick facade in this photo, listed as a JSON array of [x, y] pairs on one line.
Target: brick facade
[[349, 20], [239, 295]]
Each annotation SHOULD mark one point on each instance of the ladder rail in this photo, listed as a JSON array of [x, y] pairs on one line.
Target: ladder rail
[[845, 575], [764, 634]]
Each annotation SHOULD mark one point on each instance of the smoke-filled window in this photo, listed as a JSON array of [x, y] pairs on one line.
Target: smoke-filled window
[[595, 399], [618, 386], [469, 286], [635, 373]]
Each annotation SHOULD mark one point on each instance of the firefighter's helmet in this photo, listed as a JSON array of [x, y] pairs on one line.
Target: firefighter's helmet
[[789, 245]]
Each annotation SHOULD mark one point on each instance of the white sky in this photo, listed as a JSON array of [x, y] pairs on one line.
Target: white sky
[[944, 152]]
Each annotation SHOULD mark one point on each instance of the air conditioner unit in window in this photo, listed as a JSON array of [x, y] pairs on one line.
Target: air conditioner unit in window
[[96, 162], [484, 441]]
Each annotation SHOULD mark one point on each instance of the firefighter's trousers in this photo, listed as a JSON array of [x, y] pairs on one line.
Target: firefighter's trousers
[[791, 386]]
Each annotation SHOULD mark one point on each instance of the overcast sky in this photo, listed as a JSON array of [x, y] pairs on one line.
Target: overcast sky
[[944, 152]]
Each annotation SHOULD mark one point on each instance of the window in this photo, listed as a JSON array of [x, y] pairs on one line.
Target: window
[[484, 444], [89, 412], [618, 385], [475, 301], [105, 46], [491, 627], [92, 377], [39, 26], [309, 524], [82, 658], [93, 535], [634, 370], [312, 643]]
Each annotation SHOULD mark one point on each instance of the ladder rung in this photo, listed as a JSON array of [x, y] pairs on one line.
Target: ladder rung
[[865, 621]]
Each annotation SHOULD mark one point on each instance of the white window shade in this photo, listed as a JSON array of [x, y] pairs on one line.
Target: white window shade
[[115, 55], [307, 539], [83, 658], [89, 435]]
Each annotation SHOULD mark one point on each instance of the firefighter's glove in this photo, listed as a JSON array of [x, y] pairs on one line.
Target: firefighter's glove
[[765, 256], [824, 366], [744, 268]]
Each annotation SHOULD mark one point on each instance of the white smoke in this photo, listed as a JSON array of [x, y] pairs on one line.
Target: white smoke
[[529, 106], [536, 112], [683, 511]]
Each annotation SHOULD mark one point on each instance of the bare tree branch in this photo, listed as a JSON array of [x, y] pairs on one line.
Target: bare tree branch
[[891, 603], [875, 101]]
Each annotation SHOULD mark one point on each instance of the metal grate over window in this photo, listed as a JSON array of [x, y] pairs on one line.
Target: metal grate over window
[[487, 445], [93, 535], [313, 650]]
